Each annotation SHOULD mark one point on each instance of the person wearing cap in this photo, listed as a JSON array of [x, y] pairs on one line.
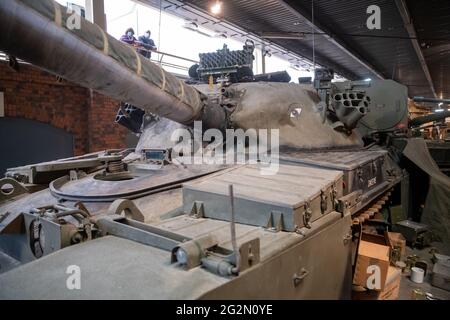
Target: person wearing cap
[[128, 37], [147, 44]]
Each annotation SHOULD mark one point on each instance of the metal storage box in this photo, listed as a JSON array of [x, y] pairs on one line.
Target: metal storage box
[[440, 276], [304, 194], [363, 170]]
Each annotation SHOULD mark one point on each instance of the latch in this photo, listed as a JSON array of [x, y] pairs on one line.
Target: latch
[[374, 168], [359, 174], [349, 204], [323, 201], [307, 214], [333, 194], [250, 254]]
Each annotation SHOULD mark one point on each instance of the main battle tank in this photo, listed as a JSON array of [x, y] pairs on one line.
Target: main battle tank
[[161, 222]]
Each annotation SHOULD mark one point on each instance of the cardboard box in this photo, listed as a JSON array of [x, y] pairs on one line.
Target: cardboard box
[[391, 288], [373, 252]]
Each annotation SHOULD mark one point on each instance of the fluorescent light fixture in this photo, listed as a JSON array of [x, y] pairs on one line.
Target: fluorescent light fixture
[[439, 110], [193, 26], [219, 34], [368, 79], [216, 8]]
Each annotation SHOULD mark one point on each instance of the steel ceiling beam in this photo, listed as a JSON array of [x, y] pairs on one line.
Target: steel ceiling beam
[[282, 35], [196, 11], [303, 14], [409, 26]]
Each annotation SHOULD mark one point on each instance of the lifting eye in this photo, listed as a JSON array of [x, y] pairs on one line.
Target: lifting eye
[[295, 110]]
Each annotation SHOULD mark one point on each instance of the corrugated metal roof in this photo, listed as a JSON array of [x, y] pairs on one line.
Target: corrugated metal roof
[[349, 46], [395, 58]]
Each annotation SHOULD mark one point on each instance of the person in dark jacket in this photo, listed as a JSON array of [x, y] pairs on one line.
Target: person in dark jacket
[[147, 44], [128, 37]]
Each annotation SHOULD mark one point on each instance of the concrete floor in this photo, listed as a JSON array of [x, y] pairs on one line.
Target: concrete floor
[[407, 286]]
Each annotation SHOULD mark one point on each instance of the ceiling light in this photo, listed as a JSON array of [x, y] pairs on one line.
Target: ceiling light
[[216, 8], [368, 79], [193, 26], [439, 110], [219, 34]]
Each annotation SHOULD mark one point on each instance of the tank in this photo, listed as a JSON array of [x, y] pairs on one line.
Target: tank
[[238, 188]]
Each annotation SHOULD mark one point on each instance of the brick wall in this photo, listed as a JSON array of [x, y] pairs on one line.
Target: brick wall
[[37, 95], [103, 132]]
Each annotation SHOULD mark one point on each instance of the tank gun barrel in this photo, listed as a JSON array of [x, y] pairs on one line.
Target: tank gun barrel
[[45, 34], [416, 122], [431, 100]]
